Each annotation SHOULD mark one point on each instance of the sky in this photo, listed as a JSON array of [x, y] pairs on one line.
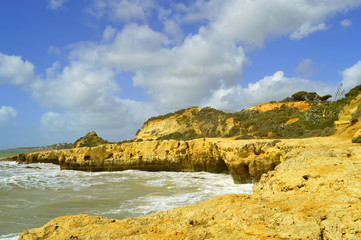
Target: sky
[[68, 67]]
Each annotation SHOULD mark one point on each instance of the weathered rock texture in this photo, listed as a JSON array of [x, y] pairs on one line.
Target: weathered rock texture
[[302, 105], [314, 193], [246, 160]]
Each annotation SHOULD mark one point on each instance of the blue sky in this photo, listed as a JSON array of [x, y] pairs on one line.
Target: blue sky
[[68, 67]]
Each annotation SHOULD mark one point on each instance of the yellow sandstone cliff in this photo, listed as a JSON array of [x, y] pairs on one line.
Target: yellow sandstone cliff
[[314, 192], [246, 160]]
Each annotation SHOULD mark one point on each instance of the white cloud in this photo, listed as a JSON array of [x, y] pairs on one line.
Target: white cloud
[[116, 121], [351, 76], [55, 4], [270, 88], [173, 30], [306, 68], [124, 10], [13, 70], [109, 33], [306, 29], [78, 86], [188, 72], [345, 23], [7, 114], [251, 22]]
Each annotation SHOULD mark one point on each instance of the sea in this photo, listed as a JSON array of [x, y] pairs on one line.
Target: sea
[[33, 194]]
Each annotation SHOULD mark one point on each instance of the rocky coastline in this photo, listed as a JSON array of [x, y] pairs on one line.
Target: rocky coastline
[[245, 160], [306, 188], [313, 193]]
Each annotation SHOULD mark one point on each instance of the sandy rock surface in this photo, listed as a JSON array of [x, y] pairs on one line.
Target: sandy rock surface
[[314, 193]]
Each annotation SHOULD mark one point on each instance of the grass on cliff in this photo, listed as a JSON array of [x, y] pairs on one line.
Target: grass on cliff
[[317, 121]]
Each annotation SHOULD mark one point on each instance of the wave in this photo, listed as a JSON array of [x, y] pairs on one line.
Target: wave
[[47, 192]]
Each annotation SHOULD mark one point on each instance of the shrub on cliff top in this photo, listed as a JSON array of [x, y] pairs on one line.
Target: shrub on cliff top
[[357, 139]]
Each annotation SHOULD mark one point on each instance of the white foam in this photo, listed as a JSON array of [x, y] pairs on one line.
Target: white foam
[[12, 236], [122, 194]]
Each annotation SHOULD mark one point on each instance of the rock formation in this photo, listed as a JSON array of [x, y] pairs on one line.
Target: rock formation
[[189, 123], [89, 140], [246, 160], [313, 194], [302, 105], [307, 188]]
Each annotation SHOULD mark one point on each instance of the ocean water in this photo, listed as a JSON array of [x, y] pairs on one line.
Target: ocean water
[[33, 194]]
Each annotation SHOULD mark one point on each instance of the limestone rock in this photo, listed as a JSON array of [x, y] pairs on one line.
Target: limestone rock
[[246, 160], [302, 105], [314, 193]]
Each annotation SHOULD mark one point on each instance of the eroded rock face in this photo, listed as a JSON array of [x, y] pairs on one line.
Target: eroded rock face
[[314, 193], [245, 160]]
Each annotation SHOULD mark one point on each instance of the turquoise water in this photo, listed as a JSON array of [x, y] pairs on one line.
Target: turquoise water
[[31, 195]]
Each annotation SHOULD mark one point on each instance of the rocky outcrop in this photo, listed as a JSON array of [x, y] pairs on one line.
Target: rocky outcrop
[[264, 107], [188, 123], [91, 139], [314, 193], [246, 160]]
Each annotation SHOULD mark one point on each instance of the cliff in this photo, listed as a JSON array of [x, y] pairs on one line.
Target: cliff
[[314, 193], [246, 160], [278, 120], [307, 188], [188, 123]]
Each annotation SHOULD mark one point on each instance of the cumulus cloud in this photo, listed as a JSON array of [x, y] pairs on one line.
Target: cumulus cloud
[[13, 70], [345, 23], [188, 72], [55, 4], [275, 87], [251, 22], [305, 69], [7, 114], [351, 77]]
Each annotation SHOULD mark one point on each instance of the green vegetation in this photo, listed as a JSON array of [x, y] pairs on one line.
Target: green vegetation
[[356, 114], [357, 139], [318, 120]]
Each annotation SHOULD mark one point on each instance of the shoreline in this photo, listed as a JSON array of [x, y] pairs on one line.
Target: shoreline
[[123, 194], [311, 194]]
